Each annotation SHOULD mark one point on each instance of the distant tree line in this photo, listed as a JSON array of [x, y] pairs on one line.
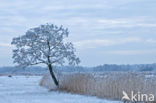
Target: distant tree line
[[101, 68]]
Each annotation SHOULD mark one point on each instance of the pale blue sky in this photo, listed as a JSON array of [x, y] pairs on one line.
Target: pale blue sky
[[103, 31]]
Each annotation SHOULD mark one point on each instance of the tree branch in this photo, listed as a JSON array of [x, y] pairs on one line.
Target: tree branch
[[36, 63]]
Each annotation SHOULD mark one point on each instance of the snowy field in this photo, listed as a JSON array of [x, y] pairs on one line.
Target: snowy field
[[26, 89]]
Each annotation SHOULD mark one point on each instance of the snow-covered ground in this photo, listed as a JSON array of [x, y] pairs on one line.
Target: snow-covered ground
[[26, 89]]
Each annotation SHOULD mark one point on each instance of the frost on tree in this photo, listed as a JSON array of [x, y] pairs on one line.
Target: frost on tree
[[44, 45]]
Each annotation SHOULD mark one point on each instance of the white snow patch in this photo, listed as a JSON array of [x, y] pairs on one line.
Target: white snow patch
[[22, 89]]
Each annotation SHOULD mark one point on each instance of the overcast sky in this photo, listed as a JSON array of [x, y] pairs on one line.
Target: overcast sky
[[103, 31]]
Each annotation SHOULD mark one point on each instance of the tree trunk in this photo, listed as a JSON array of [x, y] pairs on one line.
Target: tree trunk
[[52, 75]]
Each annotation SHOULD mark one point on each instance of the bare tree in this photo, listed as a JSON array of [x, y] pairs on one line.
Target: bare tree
[[44, 45]]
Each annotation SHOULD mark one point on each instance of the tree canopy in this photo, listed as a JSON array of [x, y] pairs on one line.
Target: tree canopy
[[44, 44]]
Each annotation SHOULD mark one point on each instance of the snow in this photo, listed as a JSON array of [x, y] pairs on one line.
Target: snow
[[26, 89]]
